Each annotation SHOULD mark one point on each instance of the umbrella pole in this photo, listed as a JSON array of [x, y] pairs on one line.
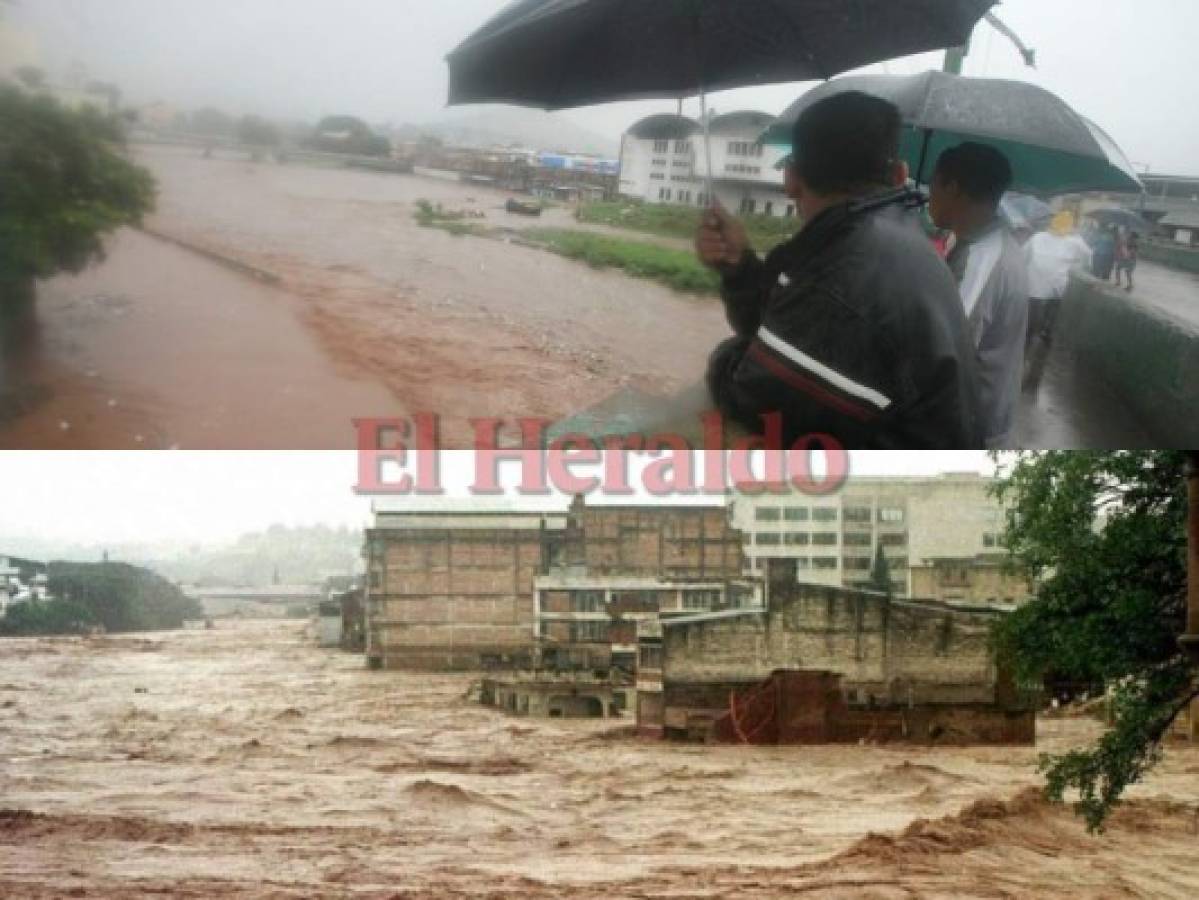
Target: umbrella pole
[[919, 174]]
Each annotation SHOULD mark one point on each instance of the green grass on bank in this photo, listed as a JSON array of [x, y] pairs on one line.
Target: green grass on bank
[[765, 232], [678, 269], [455, 222]]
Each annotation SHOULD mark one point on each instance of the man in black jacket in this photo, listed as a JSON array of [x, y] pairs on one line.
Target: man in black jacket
[[854, 328]]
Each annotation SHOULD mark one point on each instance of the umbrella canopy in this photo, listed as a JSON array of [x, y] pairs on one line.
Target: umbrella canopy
[[1122, 217], [555, 54], [1052, 148], [1023, 211]]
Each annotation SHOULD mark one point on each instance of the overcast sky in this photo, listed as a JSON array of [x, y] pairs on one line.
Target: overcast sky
[[142, 496], [1128, 65]]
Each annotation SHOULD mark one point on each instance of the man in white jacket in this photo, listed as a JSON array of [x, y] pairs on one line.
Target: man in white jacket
[[992, 274]]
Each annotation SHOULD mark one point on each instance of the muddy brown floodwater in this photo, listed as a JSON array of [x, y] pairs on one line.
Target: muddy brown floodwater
[[246, 762], [367, 314]]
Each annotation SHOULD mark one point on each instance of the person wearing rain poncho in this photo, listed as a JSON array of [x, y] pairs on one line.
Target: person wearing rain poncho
[[1052, 255], [989, 265]]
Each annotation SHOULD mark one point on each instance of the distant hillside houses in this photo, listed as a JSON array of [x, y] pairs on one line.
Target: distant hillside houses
[[663, 160], [21, 580]]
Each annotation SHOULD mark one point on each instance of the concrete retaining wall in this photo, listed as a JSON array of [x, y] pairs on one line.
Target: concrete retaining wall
[[1149, 360], [1174, 255]]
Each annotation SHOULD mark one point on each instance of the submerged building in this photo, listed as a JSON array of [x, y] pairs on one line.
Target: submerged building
[[467, 585], [826, 664]]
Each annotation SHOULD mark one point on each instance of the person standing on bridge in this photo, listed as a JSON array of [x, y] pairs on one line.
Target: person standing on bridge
[[967, 186], [853, 328], [1127, 251]]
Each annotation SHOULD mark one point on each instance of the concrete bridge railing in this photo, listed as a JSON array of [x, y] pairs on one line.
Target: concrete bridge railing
[[1148, 359]]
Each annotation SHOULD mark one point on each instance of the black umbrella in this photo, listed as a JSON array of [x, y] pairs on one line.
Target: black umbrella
[[1122, 217], [1052, 148], [555, 54]]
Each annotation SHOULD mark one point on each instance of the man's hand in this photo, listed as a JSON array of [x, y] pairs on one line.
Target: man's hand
[[721, 241]]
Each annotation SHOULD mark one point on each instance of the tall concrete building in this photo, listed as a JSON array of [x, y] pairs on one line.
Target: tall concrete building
[[458, 585], [832, 540]]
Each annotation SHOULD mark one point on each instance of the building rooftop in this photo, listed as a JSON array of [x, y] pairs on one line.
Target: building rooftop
[[1183, 218], [664, 127]]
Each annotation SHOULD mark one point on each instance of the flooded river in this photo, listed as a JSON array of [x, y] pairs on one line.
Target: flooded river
[[246, 762]]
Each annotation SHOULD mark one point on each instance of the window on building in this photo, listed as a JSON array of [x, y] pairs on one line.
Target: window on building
[[891, 515], [824, 514], [990, 540], [701, 199], [767, 514], [796, 513], [669, 192], [796, 539], [790, 210], [825, 539], [682, 146], [661, 146], [857, 514], [650, 656], [589, 632], [893, 540], [769, 210], [376, 579], [824, 562], [748, 206], [803, 563], [701, 599], [857, 539], [769, 540], [856, 563], [897, 562], [587, 601]]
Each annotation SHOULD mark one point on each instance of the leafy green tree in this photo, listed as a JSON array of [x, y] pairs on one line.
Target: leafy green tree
[[43, 617], [212, 122], [257, 132], [64, 184], [1104, 533], [32, 77], [880, 573], [122, 597], [348, 134]]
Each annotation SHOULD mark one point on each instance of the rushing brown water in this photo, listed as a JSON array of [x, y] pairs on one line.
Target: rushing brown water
[[246, 762]]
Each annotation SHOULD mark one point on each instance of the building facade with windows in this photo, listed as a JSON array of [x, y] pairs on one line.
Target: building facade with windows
[[663, 160], [833, 540], [463, 585]]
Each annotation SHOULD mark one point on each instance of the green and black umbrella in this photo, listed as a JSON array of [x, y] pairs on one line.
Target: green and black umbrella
[[1052, 148]]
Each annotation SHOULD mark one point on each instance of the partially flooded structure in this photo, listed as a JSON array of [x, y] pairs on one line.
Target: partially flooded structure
[[846, 665], [495, 587]]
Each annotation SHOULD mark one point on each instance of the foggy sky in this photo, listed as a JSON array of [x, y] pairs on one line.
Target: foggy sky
[[94, 496], [1129, 66]]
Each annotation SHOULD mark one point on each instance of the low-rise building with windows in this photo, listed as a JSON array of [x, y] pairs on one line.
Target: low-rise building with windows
[[833, 539]]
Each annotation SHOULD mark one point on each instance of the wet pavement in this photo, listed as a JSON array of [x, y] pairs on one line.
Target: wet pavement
[[245, 762]]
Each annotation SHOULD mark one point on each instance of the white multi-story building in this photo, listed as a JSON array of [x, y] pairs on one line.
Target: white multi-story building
[[21, 580], [663, 160], [833, 539]]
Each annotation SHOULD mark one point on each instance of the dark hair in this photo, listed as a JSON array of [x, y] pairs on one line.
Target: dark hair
[[846, 143], [982, 172]]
